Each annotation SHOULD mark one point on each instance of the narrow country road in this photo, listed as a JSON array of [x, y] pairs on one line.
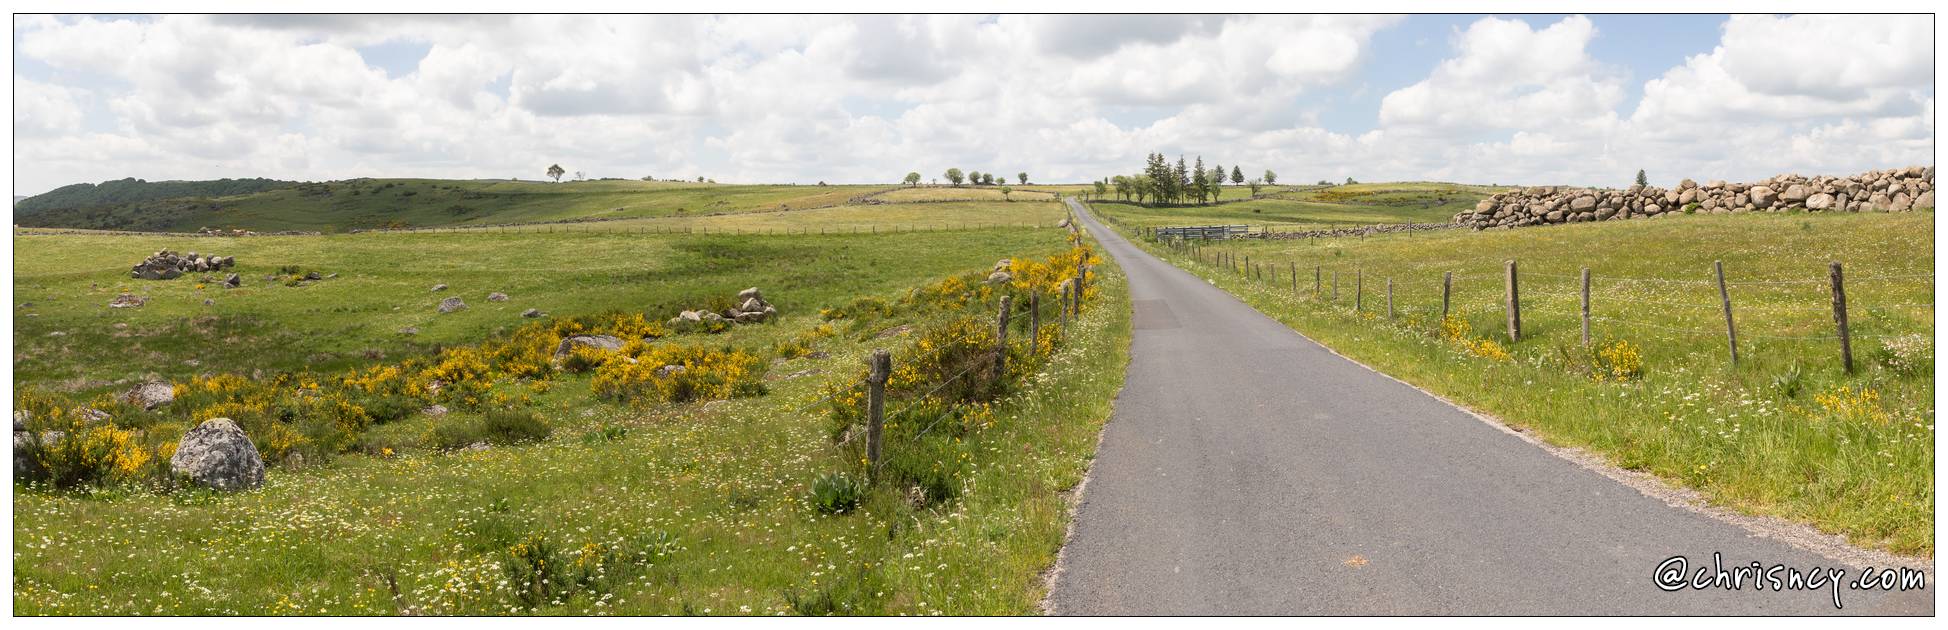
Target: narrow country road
[[1247, 470]]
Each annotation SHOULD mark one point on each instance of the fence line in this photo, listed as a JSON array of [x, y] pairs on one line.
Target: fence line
[[1512, 299]]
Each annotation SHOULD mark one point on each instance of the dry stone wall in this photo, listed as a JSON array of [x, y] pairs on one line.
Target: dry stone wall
[[1893, 190]]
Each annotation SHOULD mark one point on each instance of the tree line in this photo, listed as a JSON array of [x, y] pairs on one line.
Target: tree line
[[1161, 182]]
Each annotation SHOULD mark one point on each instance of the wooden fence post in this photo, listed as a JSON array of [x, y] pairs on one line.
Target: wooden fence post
[[1840, 316], [1001, 336], [1389, 297], [1514, 306], [1725, 298], [1080, 284], [1062, 307], [1294, 270], [1335, 286], [1247, 265], [1034, 322], [1315, 282], [1586, 306], [1359, 288], [1447, 288], [882, 366]]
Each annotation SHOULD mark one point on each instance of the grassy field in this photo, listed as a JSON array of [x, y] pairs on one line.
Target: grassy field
[[368, 203], [652, 508], [984, 193], [861, 218], [1786, 433], [1311, 207]]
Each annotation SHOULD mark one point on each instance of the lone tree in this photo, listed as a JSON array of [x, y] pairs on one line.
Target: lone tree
[[913, 178], [1641, 180], [1103, 189], [1023, 176], [1004, 193], [1254, 187], [954, 176], [1271, 179], [1237, 176], [556, 172]]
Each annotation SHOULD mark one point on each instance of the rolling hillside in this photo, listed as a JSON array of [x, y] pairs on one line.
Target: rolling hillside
[[339, 206]]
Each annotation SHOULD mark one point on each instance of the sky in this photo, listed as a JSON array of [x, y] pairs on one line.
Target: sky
[[1531, 99]]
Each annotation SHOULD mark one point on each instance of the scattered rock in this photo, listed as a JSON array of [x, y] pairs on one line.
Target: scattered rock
[[452, 304], [217, 454], [233, 281], [409, 330], [497, 297], [126, 300], [531, 313], [1000, 277], [434, 411], [670, 370], [150, 395], [438, 288], [313, 275]]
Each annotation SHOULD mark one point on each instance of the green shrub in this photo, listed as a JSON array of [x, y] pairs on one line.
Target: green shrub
[[499, 427], [508, 426], [837, 493]]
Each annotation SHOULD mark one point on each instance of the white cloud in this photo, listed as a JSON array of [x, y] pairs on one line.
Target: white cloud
[[868, 98]]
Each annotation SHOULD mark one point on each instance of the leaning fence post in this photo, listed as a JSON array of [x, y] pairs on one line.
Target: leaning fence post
[[882, 366], [1725, 298], [1294, 269], [1586, 306], [1315, 282], [1447, 287], [1514, 306], [1840, 316], [1001, 336]]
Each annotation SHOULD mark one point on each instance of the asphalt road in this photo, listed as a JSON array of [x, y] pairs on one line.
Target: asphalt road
[[1247, 470]]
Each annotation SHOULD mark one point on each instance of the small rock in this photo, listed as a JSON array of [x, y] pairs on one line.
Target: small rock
[[126, 300], [452, 304], [531, 313], [438, 288], [497, 297], [409, 330], [670, 370]]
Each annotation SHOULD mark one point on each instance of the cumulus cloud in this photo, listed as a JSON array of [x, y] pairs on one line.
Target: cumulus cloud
[[868, 98]]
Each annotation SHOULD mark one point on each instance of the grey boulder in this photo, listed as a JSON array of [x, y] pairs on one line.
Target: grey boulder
[[218, 455]]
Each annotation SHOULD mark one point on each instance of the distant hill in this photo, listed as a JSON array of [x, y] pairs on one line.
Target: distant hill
[[68, 205], [337, 206]]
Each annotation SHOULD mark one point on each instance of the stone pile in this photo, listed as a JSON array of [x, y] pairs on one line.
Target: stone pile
[[167, 265], [1892, 190], [750, 309]]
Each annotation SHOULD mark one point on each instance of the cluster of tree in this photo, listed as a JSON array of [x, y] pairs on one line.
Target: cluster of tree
[[955, 176], [131, 190], [1162, 182]]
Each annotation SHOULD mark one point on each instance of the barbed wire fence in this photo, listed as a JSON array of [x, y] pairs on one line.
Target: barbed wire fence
[[1826, 298]]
